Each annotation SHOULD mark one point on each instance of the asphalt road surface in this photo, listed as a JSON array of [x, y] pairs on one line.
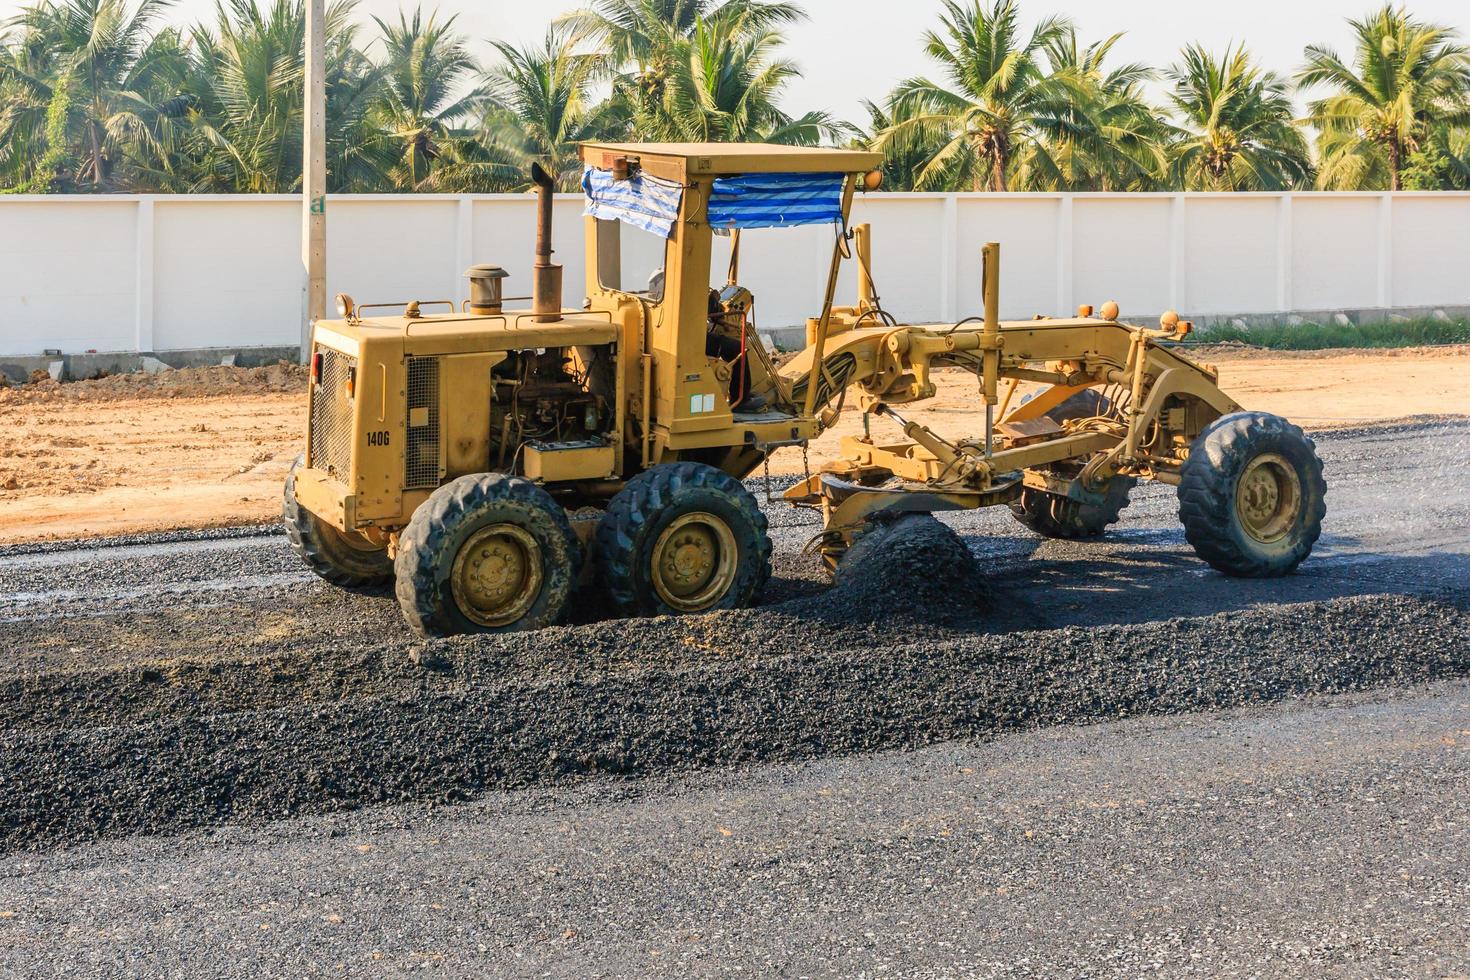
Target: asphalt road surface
[[1090, 760]]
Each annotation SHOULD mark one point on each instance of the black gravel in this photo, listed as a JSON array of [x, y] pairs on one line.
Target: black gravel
[[472, 727], [1324, 838], [149, 538], [161, 684]]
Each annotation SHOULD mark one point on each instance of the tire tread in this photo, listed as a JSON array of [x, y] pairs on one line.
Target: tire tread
[[1080, 521], [307, 537], [424, 539], [1207, 495], [640, 501]]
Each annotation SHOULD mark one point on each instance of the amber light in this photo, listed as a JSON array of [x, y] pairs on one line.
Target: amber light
[[316, 368]]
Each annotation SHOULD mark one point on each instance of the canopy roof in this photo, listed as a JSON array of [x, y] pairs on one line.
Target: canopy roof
[[688, 159]]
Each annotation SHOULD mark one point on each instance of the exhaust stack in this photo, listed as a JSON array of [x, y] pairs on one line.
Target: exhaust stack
[[545, 276]]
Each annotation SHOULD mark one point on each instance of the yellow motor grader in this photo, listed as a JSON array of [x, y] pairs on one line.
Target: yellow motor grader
[[490, 462]]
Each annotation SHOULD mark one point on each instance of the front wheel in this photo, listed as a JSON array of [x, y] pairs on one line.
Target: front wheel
[[683, 538], [486, 553], [1251, 495]]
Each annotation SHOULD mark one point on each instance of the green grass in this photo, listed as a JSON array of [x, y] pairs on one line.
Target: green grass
[[1324, 336]]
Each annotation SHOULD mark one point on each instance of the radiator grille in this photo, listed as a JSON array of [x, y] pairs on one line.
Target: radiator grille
[[331, 415], [421, 455]]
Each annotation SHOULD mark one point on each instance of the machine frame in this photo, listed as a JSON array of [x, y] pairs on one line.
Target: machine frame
[[423, 401]]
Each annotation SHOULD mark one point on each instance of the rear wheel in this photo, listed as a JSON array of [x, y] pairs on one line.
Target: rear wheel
[[1251, 495], [486, 553], [344, 558], [1055, 516], [683, 538]]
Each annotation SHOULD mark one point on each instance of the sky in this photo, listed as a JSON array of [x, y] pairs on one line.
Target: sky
[[850, 50]]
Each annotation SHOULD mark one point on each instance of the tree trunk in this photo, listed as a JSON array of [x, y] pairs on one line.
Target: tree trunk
[[1395, 164], [96, 155], [1000, 158]]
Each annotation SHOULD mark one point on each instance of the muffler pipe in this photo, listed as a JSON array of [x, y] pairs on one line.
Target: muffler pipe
[[545, 275]]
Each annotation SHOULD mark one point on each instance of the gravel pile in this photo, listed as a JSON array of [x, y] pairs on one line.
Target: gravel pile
[[263, 739], [911, 569], [189, 382]]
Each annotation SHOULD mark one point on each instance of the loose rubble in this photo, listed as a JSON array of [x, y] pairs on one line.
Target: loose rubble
[[166, 382]]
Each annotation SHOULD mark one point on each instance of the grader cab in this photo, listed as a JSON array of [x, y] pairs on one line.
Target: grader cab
[[491, 462]]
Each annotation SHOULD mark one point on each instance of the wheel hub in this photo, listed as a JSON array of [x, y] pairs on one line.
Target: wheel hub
[[694, 562], [497, 575], [1268, 497]]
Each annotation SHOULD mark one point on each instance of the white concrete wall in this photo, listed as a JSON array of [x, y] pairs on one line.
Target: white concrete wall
[[158, 273]]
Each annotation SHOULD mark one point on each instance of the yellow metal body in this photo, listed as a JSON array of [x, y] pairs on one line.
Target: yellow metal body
[[1170, 400], [360, 481], [404, 403]]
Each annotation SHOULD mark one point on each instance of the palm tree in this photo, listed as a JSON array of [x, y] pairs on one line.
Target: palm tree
[[1442, 162], [1406, 78], [245, 117], [87, 61], [425, 66], [150, 133], [539, 106], [237, 124], [359, 158], [1096, 131], [902, 160], [1240, 132], [996, 94], [723, 87], [646, 35], [249, 112], [26, 102]]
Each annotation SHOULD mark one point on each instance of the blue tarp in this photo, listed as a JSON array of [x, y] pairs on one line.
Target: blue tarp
[[642, 201], [746, 201], [775, 200]]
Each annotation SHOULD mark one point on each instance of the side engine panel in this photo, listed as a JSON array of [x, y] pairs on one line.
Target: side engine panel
[[357, 428], [389, 428]]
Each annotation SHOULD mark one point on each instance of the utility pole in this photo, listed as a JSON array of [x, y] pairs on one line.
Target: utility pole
[[314, 174]]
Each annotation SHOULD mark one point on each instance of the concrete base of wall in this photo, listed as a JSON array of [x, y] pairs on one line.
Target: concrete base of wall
[[1375, 314], [74, 366], [78, 366]]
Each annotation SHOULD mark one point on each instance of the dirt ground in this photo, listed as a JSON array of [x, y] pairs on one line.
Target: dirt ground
[[210, 447]]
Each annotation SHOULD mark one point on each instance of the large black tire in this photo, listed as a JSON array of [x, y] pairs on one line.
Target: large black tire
[[1054, 516], [1251, 495], [660, 502], [512, 523], [345, 559]]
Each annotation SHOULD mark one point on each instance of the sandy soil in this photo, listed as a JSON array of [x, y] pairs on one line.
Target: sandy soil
[[77, 469], [201, 449]]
